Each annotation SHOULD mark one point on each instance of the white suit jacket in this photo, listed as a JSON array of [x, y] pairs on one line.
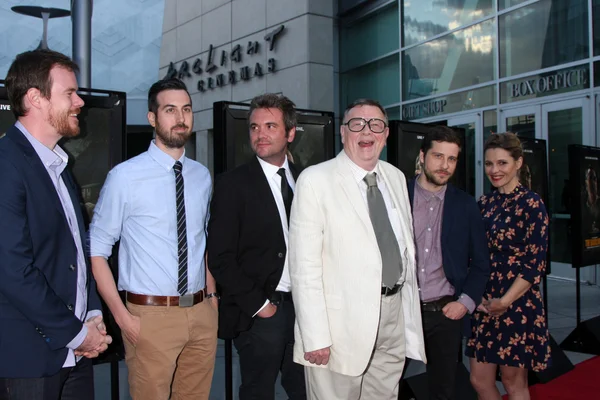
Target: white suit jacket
[[335, 267]]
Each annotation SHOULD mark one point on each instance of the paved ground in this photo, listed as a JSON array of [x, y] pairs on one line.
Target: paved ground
[[561, 306]]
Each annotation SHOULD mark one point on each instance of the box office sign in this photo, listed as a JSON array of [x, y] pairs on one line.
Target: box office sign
[[220, 67], [547, 84]]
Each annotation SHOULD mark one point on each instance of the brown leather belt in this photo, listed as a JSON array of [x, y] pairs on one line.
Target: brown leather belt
[[148, 300], [437, 305]]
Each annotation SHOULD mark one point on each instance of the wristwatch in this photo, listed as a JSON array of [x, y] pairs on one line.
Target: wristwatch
[[213, 294]]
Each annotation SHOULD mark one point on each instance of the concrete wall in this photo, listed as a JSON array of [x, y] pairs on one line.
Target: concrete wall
[[303, 53]]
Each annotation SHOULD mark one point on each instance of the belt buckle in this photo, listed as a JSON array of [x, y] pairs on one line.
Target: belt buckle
[[187, 300]]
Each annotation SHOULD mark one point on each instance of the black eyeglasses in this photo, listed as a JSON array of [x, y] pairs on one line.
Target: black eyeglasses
[[376, 125]]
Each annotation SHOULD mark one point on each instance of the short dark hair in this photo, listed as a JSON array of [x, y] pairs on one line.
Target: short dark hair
[[31, 69], [162, 85], [280, 102], [365, 102], [439, 133], [507, 141]]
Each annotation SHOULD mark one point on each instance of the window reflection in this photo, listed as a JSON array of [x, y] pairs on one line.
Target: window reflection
[[596, 22], [369, 38], [460, 59], [509, 3], [560, 36], [378, 80], [426, 18]]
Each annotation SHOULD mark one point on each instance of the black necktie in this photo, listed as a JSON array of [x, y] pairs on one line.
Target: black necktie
[[182, 247], [286, 192]]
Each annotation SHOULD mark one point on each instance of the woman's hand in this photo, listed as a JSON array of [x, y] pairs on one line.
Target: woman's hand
[[496, 307]]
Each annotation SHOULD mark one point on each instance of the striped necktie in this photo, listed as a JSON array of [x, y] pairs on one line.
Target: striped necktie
[[182, 247]]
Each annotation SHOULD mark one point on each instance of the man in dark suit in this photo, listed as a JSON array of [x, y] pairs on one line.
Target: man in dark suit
[[50, 318], [247, 254], [452, 256]]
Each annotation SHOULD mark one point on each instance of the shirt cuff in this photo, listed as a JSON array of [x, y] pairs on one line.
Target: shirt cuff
[[468, 302], [260, 309], [76, 342], [92, 314]]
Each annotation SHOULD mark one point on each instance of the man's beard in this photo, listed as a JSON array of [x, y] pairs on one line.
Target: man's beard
[[173, 140], [60, 122], [431, 178]]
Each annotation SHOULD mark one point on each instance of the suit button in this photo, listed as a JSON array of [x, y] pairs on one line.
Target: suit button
[[70, 307], [72, 267], [280, 255]]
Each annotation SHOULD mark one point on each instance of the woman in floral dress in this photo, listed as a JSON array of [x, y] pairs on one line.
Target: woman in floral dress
[[509, 327]]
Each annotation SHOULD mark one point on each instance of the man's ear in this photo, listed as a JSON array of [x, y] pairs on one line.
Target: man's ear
[[152, 119], [33, 98]]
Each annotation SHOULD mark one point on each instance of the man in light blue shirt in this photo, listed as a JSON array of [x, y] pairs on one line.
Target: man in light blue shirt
[[156, 204]]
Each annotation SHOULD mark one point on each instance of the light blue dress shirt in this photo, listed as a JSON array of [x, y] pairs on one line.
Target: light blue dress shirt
[[137, 206], [55, 161]]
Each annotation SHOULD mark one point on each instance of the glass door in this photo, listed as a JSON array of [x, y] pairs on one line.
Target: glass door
[[564, 123], [472, 150]]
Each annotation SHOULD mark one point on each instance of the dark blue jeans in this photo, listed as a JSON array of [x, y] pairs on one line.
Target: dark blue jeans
[[76, 383]]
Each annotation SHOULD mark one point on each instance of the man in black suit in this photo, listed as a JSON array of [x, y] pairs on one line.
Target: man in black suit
[[50, 318], [452, 256], [247, 254]]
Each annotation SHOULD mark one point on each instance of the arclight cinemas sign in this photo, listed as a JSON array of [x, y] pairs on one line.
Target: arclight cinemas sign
[[575, 78], [222, 67]]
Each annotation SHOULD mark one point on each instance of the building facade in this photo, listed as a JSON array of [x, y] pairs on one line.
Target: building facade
[[532, 67]]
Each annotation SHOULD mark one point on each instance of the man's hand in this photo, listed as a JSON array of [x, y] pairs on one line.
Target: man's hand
[[267, 312], [130, 326], [96, 340], [319, 357], [454, 310]]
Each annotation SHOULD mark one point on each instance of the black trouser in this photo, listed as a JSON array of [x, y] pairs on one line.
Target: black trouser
[[76, 383], [265, 350], [442, 346]]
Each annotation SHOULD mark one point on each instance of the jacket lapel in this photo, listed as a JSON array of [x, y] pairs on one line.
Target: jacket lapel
[[447, 214], [264, 190], [352, 191], [38, 169]]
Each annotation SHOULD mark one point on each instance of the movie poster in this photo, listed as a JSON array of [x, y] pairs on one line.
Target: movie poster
[[533, 174], [404, 146], [90, 153], [584, 167], [313, 143]]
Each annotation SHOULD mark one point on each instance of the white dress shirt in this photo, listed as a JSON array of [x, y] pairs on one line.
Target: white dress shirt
[[274, 180], [359, 175]]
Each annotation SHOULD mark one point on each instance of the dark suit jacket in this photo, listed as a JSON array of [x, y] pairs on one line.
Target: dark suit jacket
[[465, 253], [246, 247], [38, 264]]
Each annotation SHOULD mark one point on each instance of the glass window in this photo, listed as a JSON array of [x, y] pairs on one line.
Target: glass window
[[597, 73], [369, 38], [423, 19], [596, 22], [547, 84], [460, 59], [490, 125], [502, 4], [379, 80], [560, 36], [456, 102]]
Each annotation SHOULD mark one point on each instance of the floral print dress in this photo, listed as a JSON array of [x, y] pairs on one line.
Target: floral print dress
[[517, 232]]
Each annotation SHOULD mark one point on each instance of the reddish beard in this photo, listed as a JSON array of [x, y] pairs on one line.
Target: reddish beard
[[60, 121]]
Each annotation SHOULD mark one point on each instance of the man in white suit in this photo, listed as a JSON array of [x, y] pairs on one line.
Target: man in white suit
[[352, 266]]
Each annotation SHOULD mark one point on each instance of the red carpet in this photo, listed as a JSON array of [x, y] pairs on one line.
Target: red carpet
[[582, 383]]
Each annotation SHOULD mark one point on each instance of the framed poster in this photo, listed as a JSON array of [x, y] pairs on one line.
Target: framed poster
[[404, 145], [584, 168], [314, 141]]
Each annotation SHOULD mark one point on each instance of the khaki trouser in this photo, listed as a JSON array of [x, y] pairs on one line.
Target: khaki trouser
[[174, 356], [381, 378]]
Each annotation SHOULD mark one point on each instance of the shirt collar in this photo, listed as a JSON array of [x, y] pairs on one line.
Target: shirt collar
[[56, 159], [162, 158], [440, 194], [270, 170], [360, 173]]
